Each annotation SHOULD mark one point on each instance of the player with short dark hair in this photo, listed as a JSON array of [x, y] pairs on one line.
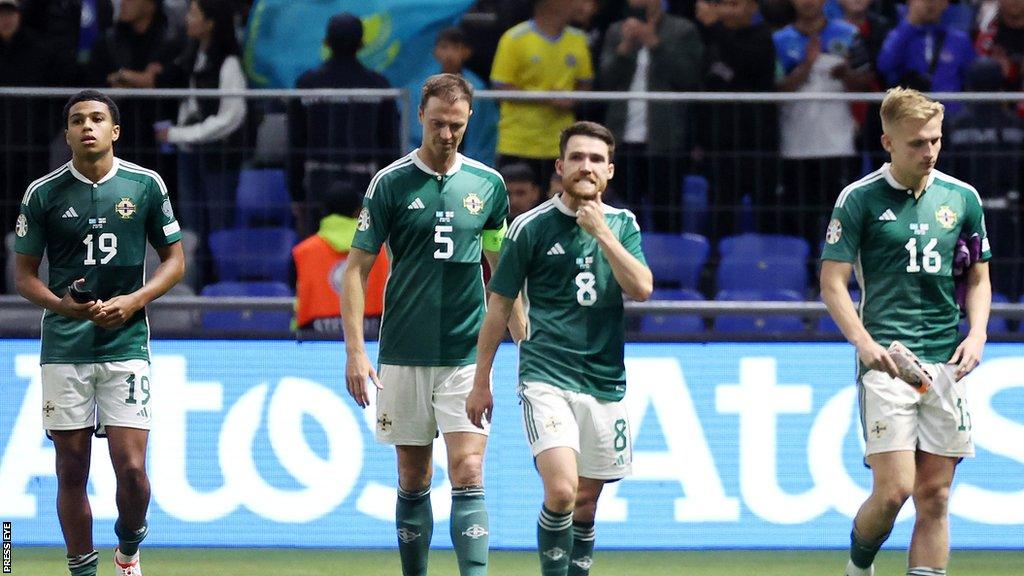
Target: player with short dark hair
[[437, 210], [93, 217], [903, 226], [573, 257]]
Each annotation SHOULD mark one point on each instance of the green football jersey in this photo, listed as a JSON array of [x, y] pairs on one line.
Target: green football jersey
[[432, 223], [575, 335], [99, 232], [902, 248]]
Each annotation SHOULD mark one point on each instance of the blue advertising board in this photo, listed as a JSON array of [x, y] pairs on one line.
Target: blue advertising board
[[754, 445]]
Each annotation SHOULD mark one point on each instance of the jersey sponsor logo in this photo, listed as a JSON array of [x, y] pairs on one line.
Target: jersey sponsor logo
[[70, 213], [475, 532], [473, 203], [946, 217], [21, 226], [364, 220], [417, 204], [585, 262], [887, 216], [125, 208], [834, 231], [919, 228], [556, 250], [97, 222]]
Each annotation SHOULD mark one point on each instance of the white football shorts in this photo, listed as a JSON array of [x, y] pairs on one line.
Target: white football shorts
[[97, 395], [417, 401]]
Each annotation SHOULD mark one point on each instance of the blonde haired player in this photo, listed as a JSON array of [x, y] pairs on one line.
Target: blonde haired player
[[899, 226]]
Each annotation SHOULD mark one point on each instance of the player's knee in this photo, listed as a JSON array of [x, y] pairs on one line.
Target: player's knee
[[133, 478], [560, 494], [894, 497], [586, 510], [931, 499], [467, 471], [72, 469]]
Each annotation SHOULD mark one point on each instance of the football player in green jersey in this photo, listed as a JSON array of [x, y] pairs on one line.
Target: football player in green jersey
[[436, 210], [93, 217], [573, 257], [899, 227]]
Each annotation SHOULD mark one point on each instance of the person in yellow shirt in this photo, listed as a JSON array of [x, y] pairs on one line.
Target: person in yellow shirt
[[541, 54]]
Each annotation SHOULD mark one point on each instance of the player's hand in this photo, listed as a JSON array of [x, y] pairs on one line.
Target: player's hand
[[875, 357], [590, 217], [357, 370], [479, 405], [968, 355], [115, 312], [84, 311], [813, 50]]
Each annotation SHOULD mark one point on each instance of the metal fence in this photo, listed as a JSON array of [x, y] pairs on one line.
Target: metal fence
[[730, 174]]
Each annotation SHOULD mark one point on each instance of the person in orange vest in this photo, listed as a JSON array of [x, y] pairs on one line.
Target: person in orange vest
[[320, 261]]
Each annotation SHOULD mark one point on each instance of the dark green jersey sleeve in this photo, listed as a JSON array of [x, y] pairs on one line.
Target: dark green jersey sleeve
[[375, 218], [630, 238], [161, 226], [499, 207], [974, 223], [513, 266], [30, 228], [842, 237]]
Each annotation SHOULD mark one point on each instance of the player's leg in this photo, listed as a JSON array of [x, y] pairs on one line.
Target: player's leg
[[929, 544], [405, 419], [889, 419], [466, 444], [123, 403], [69, 416], [606, 455]]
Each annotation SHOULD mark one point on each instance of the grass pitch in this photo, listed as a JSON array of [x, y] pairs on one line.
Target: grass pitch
[[320, 562]]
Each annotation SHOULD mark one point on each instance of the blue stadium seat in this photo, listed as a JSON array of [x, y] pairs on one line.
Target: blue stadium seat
[[672, 323], [247, 320], [754, 245], [263, 198], [676, 260], [739, 272], [695, 203], [253, 253], [827, 325], [996, 324], [759, 324]]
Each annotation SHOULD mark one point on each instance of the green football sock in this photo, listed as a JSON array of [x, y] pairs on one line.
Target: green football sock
[[469, 530], [128, 540], [84, 565], [582, 549], [415, 522], [554, 542]]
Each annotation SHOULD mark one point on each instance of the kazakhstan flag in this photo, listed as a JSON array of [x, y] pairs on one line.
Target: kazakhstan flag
[[285, 37]]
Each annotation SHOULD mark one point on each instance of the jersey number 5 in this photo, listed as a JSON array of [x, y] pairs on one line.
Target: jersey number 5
[[445, 245], [107, 244], [932, 260]]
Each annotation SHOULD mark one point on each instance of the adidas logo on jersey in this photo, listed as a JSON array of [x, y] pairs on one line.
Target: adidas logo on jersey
[[556, 250], [417, 204], [70, 213], [887, 216]]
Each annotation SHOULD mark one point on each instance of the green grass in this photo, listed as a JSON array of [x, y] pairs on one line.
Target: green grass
[[317, 562]]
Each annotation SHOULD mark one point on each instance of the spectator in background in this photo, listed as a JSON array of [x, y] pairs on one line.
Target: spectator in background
[[320, 261], [741, 139], [523, 192], [542, 54], [984, 144], [339, 140], [588, 18], [873, 29], [71, 28], [815, 54], [451, 51], [25, 60], [923, 54], [651, 51], [208, 131], [1002, 38]]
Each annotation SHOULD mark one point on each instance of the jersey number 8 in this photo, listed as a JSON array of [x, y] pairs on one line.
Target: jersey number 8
[[586, 294]]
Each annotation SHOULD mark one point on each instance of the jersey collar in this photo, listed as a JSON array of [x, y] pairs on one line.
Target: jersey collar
[[557, 201], [430, 171], [113, 171], [887, 172]]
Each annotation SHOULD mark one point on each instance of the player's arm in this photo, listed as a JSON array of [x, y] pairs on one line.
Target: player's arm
[[116, 311], [834, 278], [978, 304], [517, 319], [480, 402], [26, 279], [635, 279], [353, 307]]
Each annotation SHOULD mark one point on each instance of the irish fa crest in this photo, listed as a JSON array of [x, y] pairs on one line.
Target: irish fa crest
[[125, 208], [473, 203], [946, 217]]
